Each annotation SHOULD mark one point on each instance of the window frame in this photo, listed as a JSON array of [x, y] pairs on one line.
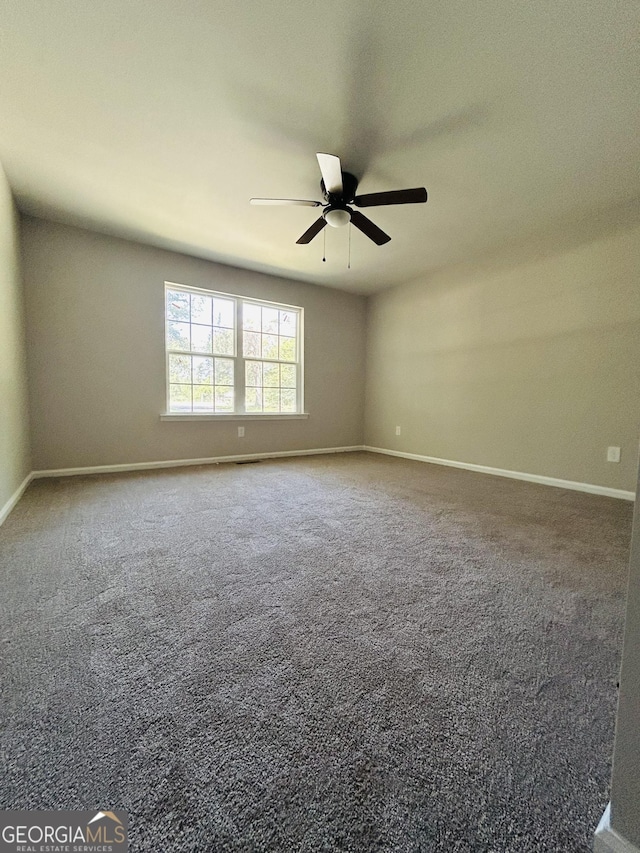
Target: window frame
[[238, 358]]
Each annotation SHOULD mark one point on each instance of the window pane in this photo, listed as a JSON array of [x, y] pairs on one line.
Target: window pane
[[201, 338], [270, 320], [177, 305], [253, 373], [288, 400], [179, 368], [271, 399], [287, 349], [201, 309], [224, 313], [288, 323], [288, 375], [178, 336], [224, 371], [223, 341], [224, 398], [251, 344], [179, 398], [269, 346], [202, 345], [271, 375], [202, 371], [253, 399], [251, 317], [202, 398]]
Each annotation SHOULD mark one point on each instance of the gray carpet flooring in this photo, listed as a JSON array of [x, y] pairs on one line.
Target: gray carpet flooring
[[332, 653]]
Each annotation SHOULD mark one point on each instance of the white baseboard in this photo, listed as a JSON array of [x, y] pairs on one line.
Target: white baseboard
[[607, 840], [15, 497], [246, 457], [514, 475], [179, 463]]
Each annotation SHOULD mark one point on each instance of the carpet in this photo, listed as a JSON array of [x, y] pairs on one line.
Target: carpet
[[331, 653]]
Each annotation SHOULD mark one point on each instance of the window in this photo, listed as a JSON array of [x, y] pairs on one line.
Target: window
[[228, 355]]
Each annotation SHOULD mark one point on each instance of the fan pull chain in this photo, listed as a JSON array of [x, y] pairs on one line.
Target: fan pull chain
[[324, 247], [349, 264]]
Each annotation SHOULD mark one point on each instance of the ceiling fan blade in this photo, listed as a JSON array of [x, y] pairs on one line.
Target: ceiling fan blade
[[414, 196], [310, 233], [302, 202], [331, 173], [369, 228]]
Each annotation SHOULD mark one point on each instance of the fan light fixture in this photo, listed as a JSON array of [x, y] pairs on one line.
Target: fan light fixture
[[337, 217]]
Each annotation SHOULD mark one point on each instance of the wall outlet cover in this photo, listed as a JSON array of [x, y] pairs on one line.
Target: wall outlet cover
[[613, 454]]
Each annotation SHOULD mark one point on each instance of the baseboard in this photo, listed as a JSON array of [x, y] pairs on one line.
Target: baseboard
[[246, 457], [607, 840], [179, 463], [15, 497], [514, 475]]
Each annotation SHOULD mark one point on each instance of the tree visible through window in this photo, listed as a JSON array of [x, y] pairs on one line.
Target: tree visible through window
[[231, 355]]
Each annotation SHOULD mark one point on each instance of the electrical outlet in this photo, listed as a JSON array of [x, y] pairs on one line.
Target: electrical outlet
[[398, 430], [240, 432], [613, 454]]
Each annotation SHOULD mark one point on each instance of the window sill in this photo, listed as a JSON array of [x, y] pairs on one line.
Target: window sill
[[259, 416]]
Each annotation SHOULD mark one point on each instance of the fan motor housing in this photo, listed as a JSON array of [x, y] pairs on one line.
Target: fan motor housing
[[349, 187]]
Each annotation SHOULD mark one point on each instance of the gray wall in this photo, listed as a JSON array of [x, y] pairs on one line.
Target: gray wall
[[533, 367], [95, 342], [625, 780], [14, 428]]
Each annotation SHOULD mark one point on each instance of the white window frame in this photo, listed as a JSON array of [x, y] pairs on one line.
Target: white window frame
[[239, 360]]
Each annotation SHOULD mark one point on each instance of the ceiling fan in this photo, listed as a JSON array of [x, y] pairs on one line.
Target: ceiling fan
[[339, 192]]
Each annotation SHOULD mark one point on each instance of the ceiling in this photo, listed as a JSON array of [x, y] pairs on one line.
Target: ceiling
[[157, 120]]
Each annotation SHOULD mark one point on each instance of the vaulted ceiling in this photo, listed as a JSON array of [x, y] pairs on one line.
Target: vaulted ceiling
[[157, 120]]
